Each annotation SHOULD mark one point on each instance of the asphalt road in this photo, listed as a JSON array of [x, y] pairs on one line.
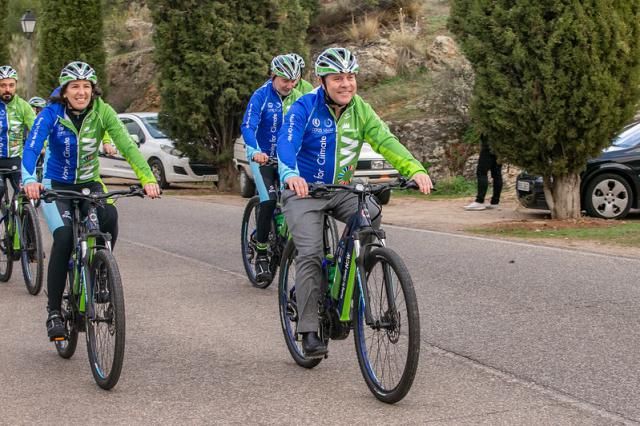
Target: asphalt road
[[511, 334]]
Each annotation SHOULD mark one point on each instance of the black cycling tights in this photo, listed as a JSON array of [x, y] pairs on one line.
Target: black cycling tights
[[265, 217], [63, 247]]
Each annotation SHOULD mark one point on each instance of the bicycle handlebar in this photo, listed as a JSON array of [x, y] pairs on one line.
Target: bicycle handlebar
[[49, 195], [317, 190]]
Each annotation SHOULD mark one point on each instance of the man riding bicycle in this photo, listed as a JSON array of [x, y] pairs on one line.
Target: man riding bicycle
[[74, 124], [302, 86], [260, 127], [320, 142], [15, 115]]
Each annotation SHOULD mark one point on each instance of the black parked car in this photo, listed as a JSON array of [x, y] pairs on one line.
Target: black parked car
[[610, 184]]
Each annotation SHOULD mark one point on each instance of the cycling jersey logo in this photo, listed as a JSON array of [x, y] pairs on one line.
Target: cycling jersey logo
[[315, 122], [347, 150], [344, 175], [270, 105], [328, 122]]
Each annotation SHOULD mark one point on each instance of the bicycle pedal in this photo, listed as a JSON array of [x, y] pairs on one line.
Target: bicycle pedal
[[57, 339]]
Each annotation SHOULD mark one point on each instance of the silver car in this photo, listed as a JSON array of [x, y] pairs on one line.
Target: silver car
[[168, 164]]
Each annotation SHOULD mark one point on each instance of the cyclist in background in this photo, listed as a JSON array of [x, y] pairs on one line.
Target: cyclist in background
[[320, 143], [74, 123], [260, 126], [37, 103], [16, 115], [303, 86]]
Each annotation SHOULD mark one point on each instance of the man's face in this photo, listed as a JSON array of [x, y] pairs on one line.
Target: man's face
[[283, 86], [7, 89], [341, 87], [78, 94]]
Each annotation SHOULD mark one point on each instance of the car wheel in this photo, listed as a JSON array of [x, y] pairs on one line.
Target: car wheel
[[158, 171], [608, 196], [384, 197], [247, 186]]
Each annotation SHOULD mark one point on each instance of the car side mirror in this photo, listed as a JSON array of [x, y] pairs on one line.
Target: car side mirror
[[136, 139]]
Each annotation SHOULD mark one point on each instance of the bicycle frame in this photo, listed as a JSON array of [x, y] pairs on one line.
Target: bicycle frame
[[350, 261]]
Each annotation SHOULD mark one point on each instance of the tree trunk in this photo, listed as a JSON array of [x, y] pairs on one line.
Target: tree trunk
[[228, 177], [563, 195]]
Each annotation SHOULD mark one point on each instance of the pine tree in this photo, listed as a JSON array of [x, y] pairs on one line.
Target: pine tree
[[211, 58], [69, 31], [555, 80]]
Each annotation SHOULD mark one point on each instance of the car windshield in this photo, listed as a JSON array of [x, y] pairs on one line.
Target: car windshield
[[151, 123], [628, 138]]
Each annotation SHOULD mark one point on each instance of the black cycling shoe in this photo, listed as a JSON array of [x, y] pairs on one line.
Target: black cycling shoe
[[263, 271], [55, 326], [313, 346]]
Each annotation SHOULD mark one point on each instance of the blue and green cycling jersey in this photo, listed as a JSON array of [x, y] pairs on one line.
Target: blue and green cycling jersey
[[263, 118], [15, 116], [314, 145], [71, 156]]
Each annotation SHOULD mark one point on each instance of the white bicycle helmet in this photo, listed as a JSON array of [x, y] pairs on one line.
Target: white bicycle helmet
[[77, 71], [6, 71], [285, 66], [37, 102], [336, 60], [298, 59]]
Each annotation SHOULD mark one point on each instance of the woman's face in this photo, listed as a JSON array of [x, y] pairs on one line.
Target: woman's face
[[78, 94]]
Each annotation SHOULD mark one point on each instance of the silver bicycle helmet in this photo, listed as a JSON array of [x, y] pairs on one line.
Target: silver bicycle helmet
[[77, 71], [336, 60], [7, 71], [285, 66]]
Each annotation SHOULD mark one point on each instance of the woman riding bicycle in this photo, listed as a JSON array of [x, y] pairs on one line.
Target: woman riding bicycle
[[320, 143], [74, 124], [260, 127]]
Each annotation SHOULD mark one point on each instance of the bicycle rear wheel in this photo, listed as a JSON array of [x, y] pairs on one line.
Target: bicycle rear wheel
[[388, 349], [248, 243], [105, 320], [6, 241], [288, 308], [66, 348], [32, 254]]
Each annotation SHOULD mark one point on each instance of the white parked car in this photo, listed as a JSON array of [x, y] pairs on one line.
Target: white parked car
[[168, 164], [372, 167]]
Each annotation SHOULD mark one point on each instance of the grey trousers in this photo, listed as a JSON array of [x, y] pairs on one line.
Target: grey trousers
[[305, 219]]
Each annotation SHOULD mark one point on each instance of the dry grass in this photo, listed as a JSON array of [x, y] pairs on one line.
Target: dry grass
[[364, 31], [407, 42]]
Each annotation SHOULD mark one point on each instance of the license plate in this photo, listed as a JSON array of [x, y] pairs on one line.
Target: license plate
[[523, 186]]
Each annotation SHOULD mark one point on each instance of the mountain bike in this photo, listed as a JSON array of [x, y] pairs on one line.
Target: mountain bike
[[20, 237], [367, 288], [93, 299], [278, 237]]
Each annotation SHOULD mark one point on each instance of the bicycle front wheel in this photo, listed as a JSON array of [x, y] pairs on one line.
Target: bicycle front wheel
[[289, 309], [388, 346], [6, 241], [32, 255], [249, 244], [66, 348], [105, 320]]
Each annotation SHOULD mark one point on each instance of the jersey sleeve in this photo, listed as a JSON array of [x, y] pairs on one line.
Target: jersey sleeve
[[35, 142], [290, 140], [127, 148], [250, 123], [385, 143]]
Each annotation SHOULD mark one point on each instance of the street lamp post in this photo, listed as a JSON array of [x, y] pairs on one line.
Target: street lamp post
[[28, 22]]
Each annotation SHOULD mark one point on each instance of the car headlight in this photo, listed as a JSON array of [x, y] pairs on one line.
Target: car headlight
[[387, 165], [377, 164], [171, 150]]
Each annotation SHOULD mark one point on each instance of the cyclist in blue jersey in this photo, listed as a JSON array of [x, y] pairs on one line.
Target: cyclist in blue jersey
[[16, 116], [74, 123], [260, 126], [320, 142]]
